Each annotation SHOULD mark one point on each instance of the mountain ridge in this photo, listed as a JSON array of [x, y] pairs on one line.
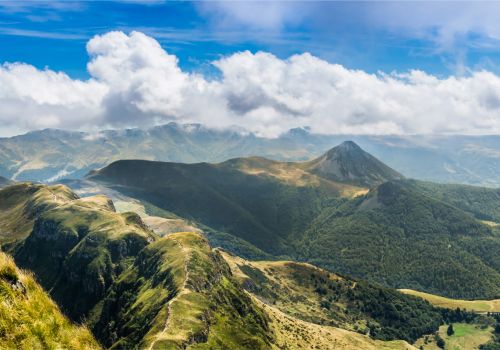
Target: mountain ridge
[[172, 292], [51, 155], [286, 210]]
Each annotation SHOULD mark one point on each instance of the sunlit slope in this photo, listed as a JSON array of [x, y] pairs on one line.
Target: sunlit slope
[[317, 296], [262, 207], [394, 233], [21, 204], [29, 319], [469, 305], [134, 288], [131, 286]]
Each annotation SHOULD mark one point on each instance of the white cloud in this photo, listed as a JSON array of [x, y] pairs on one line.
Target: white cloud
[[134, 82]]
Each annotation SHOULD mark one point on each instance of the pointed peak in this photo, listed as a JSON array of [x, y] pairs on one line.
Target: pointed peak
[[349, 163], [349, 144]]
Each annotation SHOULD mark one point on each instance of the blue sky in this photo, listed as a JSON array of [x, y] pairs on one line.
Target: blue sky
[[336, 67], [439, 38]]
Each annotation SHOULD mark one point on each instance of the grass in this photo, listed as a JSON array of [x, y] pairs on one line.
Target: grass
[[311, 294], [29, 319], [294, 334], [20, 204], [469, 305], [203, 313], [466, 337]]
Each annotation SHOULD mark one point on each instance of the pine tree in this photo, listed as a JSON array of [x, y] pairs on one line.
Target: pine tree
[[450, 331]]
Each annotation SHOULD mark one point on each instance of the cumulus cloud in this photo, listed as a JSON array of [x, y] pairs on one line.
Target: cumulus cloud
[[135, 82]]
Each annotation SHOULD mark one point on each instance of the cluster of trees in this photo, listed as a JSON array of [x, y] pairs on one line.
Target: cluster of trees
[[389, 314]]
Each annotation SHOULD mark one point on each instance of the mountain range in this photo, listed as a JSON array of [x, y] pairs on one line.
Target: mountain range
[[50, 155], [345, 211], [248, 253]]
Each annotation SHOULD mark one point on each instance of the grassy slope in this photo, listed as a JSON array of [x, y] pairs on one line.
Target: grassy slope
[[20, 204], [295, 334], [29, 319], [100, 265], [470, 305], [260, 208], [78, 247], [466, 337], [205, 295], [320, 297]]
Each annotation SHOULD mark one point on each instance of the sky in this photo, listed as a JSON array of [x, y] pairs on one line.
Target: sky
[[265, 67]]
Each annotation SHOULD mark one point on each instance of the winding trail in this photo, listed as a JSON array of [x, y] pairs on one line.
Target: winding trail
[[183, 290]]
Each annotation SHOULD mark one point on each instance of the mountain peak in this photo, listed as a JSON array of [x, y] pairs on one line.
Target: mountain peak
[[347, 146], [349, 163]]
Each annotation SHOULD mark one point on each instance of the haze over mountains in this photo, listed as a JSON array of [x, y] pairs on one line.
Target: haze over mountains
[[50, 155]]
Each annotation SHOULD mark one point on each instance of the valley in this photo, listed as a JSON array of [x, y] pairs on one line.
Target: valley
[[393, 231], [258, 254]]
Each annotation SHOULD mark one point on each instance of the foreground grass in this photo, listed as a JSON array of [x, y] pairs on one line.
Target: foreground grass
[[466, 337], [470, 305], [29, 319]]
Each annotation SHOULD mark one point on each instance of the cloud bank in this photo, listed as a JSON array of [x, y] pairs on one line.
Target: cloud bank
[[135, 82]]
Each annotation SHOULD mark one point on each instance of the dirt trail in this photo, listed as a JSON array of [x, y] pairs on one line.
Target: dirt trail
[[182, 291]]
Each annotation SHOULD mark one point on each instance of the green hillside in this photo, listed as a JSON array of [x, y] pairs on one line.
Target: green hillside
[[397, 234], [259, 208], [110, 270], [404, 239], [480, 201], [133, 288], [29, 319], [318, 296]]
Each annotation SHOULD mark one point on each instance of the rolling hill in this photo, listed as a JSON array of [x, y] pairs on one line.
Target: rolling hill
[[134, 288], [49, 155], [395, 233]]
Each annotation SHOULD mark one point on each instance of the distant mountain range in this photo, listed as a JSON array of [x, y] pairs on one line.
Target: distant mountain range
[[345, 211], [50, 155]]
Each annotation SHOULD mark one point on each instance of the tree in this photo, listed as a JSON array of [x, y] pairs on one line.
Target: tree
[[440, 341], [450, 331], [497, 328]]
